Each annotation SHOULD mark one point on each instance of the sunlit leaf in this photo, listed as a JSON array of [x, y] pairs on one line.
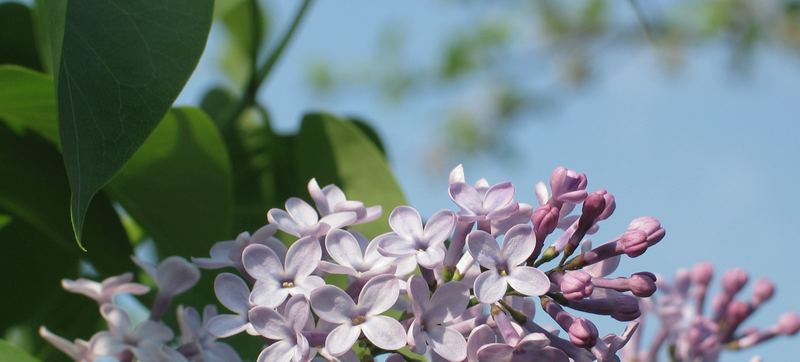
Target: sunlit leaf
[[11, 353], [27, 100], [122, 65]]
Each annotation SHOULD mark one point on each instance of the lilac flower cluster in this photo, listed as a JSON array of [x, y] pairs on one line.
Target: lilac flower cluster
[[127, 339], [459, 286], [691, 333], [471, 298]]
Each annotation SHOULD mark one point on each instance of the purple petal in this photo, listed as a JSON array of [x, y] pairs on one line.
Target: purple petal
[[297, 312], [332, 268], [284, 221], [226, 325], [439, 227], [379, 294], [528, 280], [301, 212], [384, 332], [341, 339], [457, 175], [334, 194], [603, 268], [419, 293], [262, 263], [119, 323], [466, 197], [307, 285], [303, 257], [542, 195], [333, 304], [480, 336], [268, 323], [490, 286], [431, 257], [448, 301], [391, 244], [154, 331], [483, 247], [499, 352], [498, 196], [447, 343], [268, 294], [232, 292], [518, 244], [175, 275], [339, 219], [416, 338], [280, 351], [343, 248], [319, 197], [373, 213], [406, 222]]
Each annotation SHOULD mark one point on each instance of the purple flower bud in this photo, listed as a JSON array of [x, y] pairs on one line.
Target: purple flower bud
[[734, 280], [650, 226], [627, 308], [737, 311], [642, 284], [576, 284], [634, 243], [545, 220], [789, 324], [683, 280], [568, 185], [763, 291], [582, 333], [702, 273], [593, 206], [611, 204]]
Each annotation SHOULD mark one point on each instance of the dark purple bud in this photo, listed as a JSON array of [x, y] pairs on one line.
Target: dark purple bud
[[642, 284], [734, 280], [737, 311], [545, 220], [634, 243], [627, 308], [702, 273], [789, 324], [568, 185], [611, 205], [763, 291], [593, 206], [576, 284], [582, 333]]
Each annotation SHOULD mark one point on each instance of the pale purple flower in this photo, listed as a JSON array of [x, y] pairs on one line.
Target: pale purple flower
[[290, 344], [331, 199], [196, 342], [173, 276], [130, 336], [276, 280], [234, 294], [157, 352], [431, 314], [410, 238], [301, 220], [101, 344], [481, 202], [606, 348], [521, 216], [505, 265], [105, 291], [229, 253], [532, 347], [354, 255], [335, 306]]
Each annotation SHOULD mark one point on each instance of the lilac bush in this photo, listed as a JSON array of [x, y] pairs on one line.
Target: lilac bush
[[689, 331], [461, 286]]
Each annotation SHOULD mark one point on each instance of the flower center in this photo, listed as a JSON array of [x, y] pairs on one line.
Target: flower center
[[359, 319], [502, 271], [288, 284]]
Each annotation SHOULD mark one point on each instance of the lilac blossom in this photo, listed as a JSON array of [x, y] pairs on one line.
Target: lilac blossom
[[331, 199], [355, 256], [431, 314], [229, 253], [285, 329], [173, 276], [301, 220], [105, 291], [234, 294], [196, 342], [277, 279], [409, 237], [481, 202], [335, 306], [504, 264]]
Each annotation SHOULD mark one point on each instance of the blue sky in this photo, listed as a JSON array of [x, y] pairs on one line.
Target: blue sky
[[710, 154]]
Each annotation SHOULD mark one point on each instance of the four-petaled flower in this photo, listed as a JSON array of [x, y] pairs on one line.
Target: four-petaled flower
[[331, 199], [301, 220], [410, 238], [335, 306], [105, 291], [356, 256], [229, 253], [290, 344], [276, 280], [431, 314], [481, 202], [234, 294], [504, 265]]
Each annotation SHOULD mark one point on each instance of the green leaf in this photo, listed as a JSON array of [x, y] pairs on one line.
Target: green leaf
[[337, 151], [10, 353], [27, 100], [177, 186], [122, 65], [17, 36], [50, 21], [38, 193]]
